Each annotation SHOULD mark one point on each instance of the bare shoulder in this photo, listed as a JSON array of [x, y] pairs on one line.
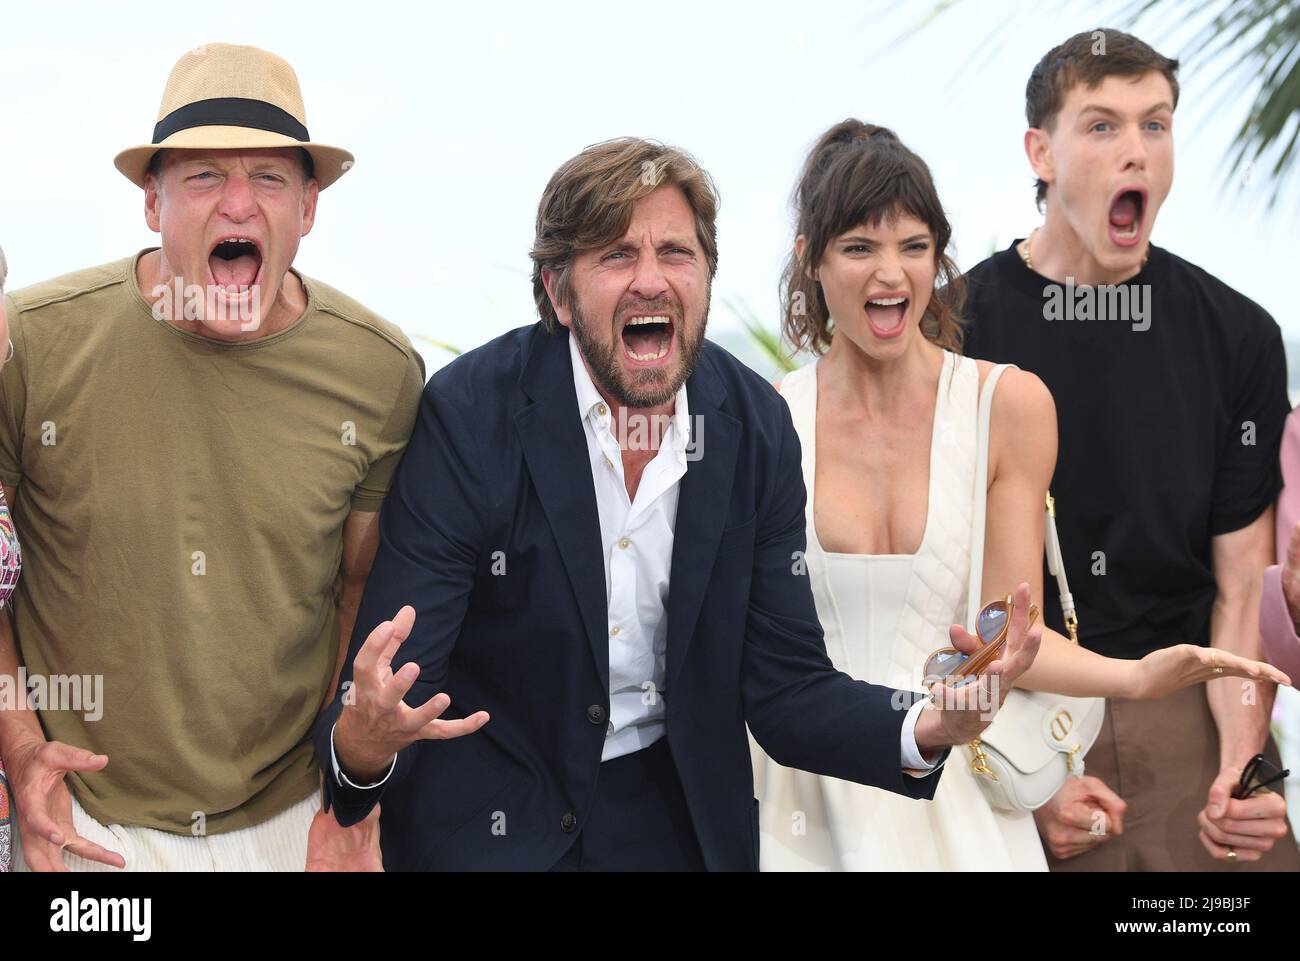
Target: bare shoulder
[[1022, 400], [1023, 425]]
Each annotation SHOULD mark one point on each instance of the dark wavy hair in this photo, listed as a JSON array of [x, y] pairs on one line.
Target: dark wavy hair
[[859, 174]]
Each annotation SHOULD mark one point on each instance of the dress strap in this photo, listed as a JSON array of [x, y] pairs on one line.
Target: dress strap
[[799, 389]]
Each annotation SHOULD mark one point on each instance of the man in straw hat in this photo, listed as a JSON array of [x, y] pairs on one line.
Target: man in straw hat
[[199, 439]]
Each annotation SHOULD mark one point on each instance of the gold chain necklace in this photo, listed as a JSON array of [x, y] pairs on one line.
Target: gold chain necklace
[[1023, 250]]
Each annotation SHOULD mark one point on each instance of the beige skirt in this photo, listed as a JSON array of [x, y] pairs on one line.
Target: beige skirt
[[1161, 757]]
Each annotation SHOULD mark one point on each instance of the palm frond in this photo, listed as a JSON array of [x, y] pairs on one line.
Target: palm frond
[[441, 345], [766, 340], [1257, 42]]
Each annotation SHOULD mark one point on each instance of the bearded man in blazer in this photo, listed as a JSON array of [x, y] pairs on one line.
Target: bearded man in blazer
[[595, 538]]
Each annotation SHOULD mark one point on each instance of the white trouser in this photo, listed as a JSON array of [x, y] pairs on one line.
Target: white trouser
[[278, 844]]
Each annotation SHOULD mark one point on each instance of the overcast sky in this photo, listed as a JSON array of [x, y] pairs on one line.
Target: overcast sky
[[458, 117]]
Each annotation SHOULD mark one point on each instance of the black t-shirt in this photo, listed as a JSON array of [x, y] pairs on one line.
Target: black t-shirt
[[1169, 435]]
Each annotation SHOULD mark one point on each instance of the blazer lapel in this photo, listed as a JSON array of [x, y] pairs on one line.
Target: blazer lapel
[[701, 509], [555, 450]]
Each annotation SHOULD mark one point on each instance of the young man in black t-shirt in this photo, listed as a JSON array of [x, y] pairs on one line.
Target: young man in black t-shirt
[[1170, 390]]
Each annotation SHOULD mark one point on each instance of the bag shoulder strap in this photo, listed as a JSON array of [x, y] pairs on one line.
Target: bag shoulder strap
[[1056, 567], [1051, 541], [980, 505]]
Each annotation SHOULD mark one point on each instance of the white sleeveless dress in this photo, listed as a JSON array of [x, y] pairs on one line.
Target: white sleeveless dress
[[882, 616]]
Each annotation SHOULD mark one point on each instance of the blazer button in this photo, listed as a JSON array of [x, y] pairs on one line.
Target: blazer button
[[568, 823], [596, 714]]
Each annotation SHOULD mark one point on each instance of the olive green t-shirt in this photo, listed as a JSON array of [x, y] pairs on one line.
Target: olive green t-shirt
[[180, 503]]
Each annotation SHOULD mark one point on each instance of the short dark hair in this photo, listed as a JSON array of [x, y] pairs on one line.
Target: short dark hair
[[1088, 58], [308, 165], [588, 204]]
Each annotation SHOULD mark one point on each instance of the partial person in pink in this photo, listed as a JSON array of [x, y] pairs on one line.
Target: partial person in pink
[[10, 564], [1279, 608]]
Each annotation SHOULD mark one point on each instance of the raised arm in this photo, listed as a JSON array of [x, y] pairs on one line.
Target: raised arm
[[1241, 709], [1239, 561], [35, 768], [360, 544], [1022, 459], [1279, 610], [430, 535]]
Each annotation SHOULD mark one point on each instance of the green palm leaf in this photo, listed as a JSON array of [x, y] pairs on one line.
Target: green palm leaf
[[768, 341], [1257, 43], [441, 345]]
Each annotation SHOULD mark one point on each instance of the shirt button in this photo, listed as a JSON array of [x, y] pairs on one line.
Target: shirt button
[[602, 410], [568, 823], [614, 630], [596, 714], [609, 463], [625, 543]]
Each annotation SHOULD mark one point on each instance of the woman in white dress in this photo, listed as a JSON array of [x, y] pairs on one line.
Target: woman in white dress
[[886, 418]]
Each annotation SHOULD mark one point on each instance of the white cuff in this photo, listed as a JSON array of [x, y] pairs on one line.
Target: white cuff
[[913, 763], [342, 778]]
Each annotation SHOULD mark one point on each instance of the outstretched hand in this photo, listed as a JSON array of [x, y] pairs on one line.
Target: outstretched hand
[[377, 722], [958, 714], [1182, 665], [43, 805]]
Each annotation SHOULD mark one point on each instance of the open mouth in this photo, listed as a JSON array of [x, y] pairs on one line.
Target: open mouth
[[1126, 211], [887, 315], [649, 339], [235, 263]]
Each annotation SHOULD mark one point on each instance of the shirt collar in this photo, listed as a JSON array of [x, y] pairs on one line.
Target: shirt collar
[[590, 403]]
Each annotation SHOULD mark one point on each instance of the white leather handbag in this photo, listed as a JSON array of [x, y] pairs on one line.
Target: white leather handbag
[[1037, 739]]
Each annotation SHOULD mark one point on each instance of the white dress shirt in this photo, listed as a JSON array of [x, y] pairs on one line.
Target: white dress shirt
[[636, 538], [637, 544]]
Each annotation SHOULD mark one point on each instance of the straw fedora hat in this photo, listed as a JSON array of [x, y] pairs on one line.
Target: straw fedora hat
[[221, 96]]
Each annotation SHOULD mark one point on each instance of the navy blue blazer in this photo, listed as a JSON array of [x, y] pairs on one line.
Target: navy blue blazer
[[497, 472]]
